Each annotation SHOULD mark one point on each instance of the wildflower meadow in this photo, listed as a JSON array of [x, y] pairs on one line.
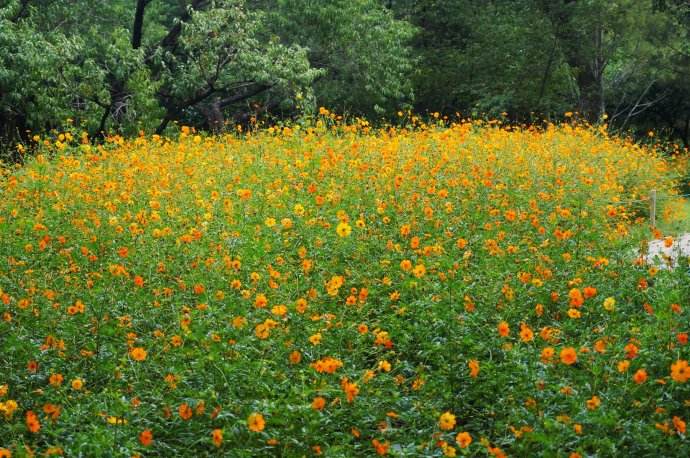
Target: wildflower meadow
[[335, 289]]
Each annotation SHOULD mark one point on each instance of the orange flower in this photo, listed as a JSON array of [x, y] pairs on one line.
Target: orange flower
[[593, 403], [600, 346], [640, 376], [576, 298], [52, 410], [463, 439], [497, 452], [327, 365], [526, 334], [568, 356], [138, 354], [32, 422], [146, 437], [318, 403], [546, 354], [351, 390], [679, 424], [380, 447], [631, 350], [503, 329], [295, 357], [589, 291], [260, 301], [256, 422], [217, 436], [680, 372], [539, 309], [56, 379], [185, 411], [474, 368]]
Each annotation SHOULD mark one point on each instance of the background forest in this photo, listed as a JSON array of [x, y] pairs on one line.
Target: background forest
[[129, 65]]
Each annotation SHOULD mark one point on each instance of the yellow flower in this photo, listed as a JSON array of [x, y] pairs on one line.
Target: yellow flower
[[419, 271], [610, 304], [574, 313], [315, 339], [343, 230], [447, 421]]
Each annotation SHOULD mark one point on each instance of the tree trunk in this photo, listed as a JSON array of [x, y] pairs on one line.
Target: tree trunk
[[138, 28], [590, 80], [214, 116]]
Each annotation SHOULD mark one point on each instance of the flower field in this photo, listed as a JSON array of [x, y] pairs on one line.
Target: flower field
[[467, 290]]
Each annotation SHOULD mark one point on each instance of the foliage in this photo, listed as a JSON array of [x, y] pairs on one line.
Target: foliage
[[535, 59], [335, 289], [138, 65], [363, 50]]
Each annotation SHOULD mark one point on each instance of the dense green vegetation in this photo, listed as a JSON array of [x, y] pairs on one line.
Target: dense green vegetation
[[124, 65], [341, 291], [344, 228]]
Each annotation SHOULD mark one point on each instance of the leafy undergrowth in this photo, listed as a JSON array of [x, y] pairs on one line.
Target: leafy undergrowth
[[465, 290]]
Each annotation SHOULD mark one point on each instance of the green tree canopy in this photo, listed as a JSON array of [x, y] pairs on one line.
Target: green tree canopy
[[129, 65]]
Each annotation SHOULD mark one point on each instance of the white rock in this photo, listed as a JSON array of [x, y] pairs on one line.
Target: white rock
[[667, 257]]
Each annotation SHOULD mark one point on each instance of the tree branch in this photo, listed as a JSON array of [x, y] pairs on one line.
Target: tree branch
[[258, 89], [169, 42], [138, 28]]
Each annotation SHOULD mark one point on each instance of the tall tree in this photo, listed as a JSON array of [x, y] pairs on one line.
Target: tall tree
[[140, 64], [363, 51]]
